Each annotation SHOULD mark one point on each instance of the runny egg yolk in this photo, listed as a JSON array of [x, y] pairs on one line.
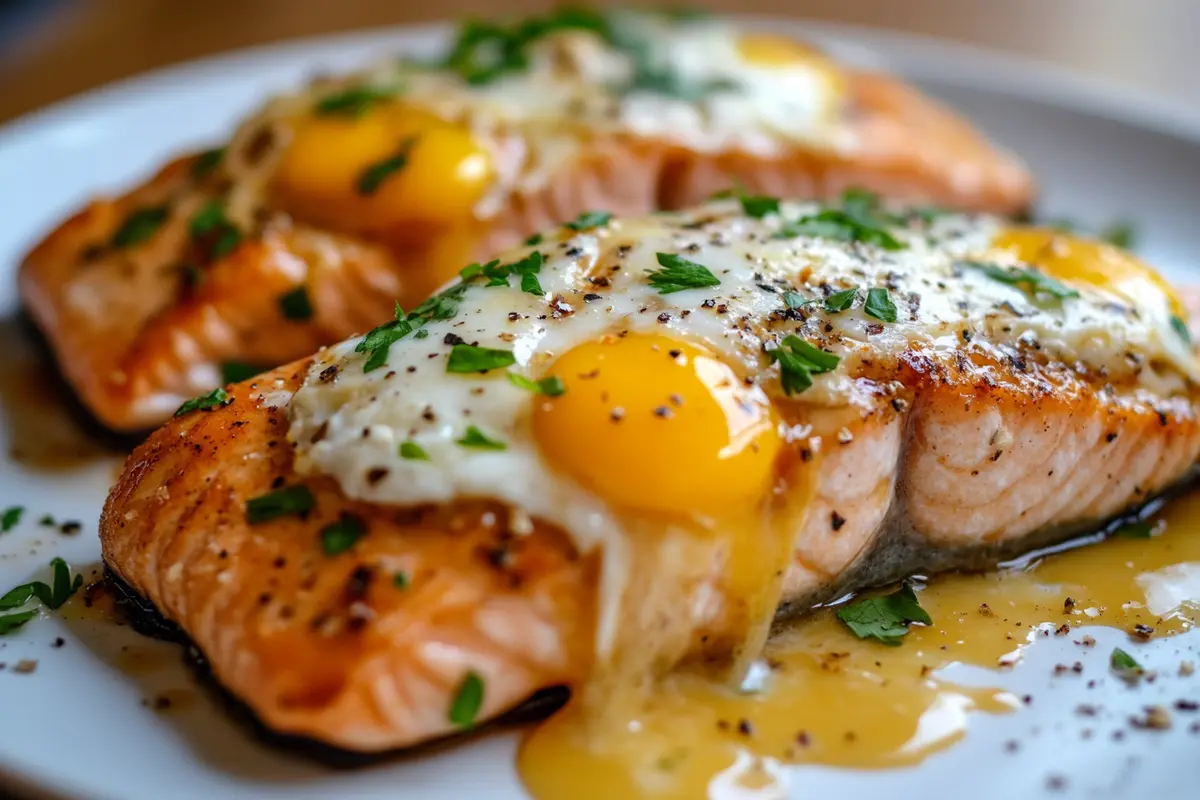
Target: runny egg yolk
[[388, 170], [651, 423], [769, 50], [1073, 259]]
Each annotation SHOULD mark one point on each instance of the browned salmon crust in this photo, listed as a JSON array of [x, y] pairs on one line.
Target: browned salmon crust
[[959, 463], [135, 338]]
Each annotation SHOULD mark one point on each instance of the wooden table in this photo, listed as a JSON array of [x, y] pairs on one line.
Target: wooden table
[[78, 44]]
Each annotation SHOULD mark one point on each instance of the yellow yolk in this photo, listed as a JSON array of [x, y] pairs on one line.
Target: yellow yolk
[[655, 424], [769, 50], [1076, 260], [323, 175]]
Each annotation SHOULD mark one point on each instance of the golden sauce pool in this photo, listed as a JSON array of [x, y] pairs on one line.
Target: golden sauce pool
[[822, 696]]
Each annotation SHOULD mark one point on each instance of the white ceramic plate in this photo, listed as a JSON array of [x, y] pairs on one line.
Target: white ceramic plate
[[79, 725]]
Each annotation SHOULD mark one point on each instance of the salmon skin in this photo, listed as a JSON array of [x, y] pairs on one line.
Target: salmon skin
[[958, 393], [243, 258]]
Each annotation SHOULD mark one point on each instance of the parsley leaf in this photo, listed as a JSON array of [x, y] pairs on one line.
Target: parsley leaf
[[10, 622], [679, 274], [296, 305], [338, 537], [758, 206], [53, 596], [400, 580], [466, 358], [794, 300], [839, 226], [486, 51], [207, 162], [468, 699], [1120, 234], [536, 238], [212, 230], [374, 175], [140, 225], [1125, 666], [879, 305], [477, 439], [379, 340], [10, 518], [840, 301], [885, 617], [280, 503], [1180, 327], [238, 371], [588, 219], [353, 102], [207, 402], [798, 362], [1040, 288], [1135, 530], [551, 386], [413, 451]]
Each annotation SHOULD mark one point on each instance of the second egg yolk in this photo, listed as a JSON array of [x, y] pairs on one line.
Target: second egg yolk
[[655, 424], [1074, 259], [428, 171]]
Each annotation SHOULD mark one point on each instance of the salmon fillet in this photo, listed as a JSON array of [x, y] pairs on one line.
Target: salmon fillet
[[926, 457], [140, 320]]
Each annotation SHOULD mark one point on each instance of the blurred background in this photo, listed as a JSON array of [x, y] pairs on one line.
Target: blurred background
[[50, 49]]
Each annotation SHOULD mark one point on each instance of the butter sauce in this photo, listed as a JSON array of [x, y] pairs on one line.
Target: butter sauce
[[820, 696]]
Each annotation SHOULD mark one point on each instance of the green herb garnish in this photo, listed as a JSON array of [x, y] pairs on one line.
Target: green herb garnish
[[588, 219], [10, 622], [209, 226], [794, 300], [296, 305], [885, 617], [798, 362], [400, 580], [374, 175], [840, 301], [353, 102], [758, 206], [859, 219], [280, 503], [10, 518], [468, 699], [338, 537], [1135, 530], [535, 239], [207, 402], [679, 274], [207, 162], [1120, 234], [1040, 288], [53, 596], [1125, 666], [879, 305], [140, 225], [378, 340], [413, 452], [477, 439], [466, 358], [551, 386], [237, 371], [1180, 327]]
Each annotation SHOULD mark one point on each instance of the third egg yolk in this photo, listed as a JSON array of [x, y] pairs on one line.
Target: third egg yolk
[[652, 423], [437, 174]]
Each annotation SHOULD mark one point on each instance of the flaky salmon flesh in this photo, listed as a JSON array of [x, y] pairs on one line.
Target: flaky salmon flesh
[[311, 222], [914, 456]]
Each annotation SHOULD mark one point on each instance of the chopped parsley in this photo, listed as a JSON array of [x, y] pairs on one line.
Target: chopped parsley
[[486, 51], [413, 452], [1135, 530], [378, 340], [859, 219], [422, 333], [207, 162], [140, 225], [280, 503], [62, 587], [679, 274], [205, 402], [794, 299], [48, 521], [551, 386], [296, 304], [477, 439], [468, 699], [466, 358], [10, 518], [238, 371], [10, 622], [588, 219], [1125, 666], [374, 175], [535, 239], [1039, 287], [400, 580], [758, 206], [840, 301], [211, 229], [338, 537], [879, 305], [886, 617], [1120, 234], [1180, 327], [353, 102], [798, 362]]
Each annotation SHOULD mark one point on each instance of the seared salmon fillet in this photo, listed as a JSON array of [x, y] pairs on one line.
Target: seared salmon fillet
[[382, 183], [641, 444]]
